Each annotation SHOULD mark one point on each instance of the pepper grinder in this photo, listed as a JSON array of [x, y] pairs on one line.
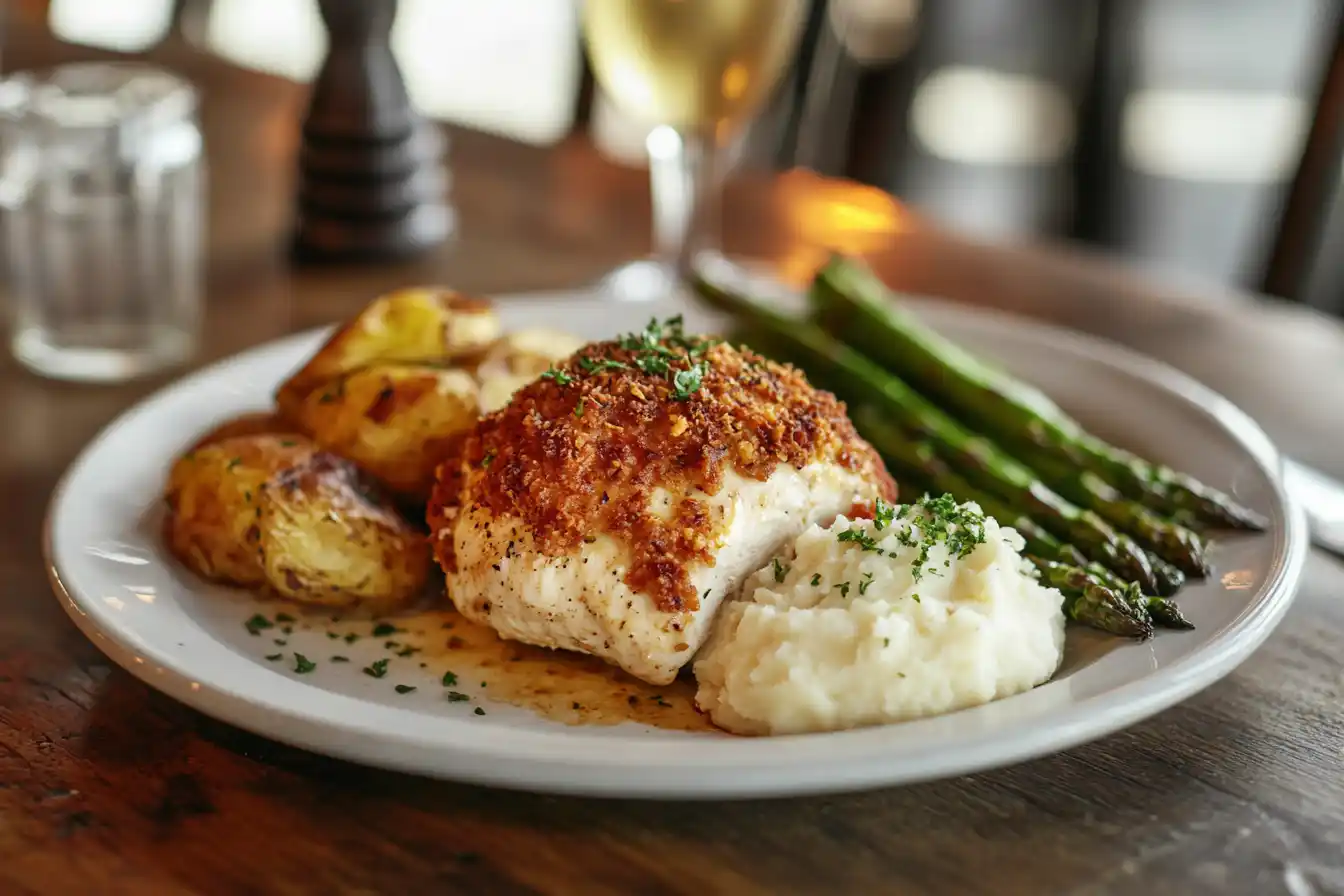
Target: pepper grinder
[[372, 182]]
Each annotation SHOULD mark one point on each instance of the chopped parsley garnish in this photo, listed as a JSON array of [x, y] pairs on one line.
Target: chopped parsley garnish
[[489, 457], [457, 697], [653, 365], [959, 527], [377, 669], [351, 638], [281, 642], [915, 598], [939, 519], [383, 629], [597, 365], [867, 580], [404, 688], [780, 570], [449, 679], [861, 538], [816, 580], [659, 346], [844, 589], [652, 336], [561, 378], [578, 408], [233, 463], [274, 656], [283, 617], [340, 659], [479, 711], [687, 382], [302, 664], [257, 624]]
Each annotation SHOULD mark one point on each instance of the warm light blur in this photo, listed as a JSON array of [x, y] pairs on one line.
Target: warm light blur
[[279, 37], [825, 215], [1238, 579], [125, 25]]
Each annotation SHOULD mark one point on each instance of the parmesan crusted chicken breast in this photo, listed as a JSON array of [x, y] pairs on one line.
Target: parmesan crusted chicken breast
[[614, 502]]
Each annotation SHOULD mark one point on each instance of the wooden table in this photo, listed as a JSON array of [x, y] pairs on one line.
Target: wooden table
[[106, 787]]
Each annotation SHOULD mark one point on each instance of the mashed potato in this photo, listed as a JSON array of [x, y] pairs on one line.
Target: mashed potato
[[923, 610]]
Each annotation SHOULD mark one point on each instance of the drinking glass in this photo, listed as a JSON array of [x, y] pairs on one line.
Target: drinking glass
[[699, 70], [101, 183]]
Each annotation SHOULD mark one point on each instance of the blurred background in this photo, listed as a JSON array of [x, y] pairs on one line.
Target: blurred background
[[1194, 137]]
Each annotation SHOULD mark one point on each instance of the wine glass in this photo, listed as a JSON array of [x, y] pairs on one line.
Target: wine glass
[[699, 70]]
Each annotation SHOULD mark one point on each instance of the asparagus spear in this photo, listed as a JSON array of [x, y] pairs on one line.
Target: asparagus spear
[[850, 299], [915, 458], [1169, 578], [862, 382], [1162, 610], [983, 466], [1087, 599], [918, 461], [922, 468], [918, 458], [1174, 543], [1091, 603]]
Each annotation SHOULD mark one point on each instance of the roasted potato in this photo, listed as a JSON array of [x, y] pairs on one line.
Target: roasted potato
[[327, 537], [418, 325], [397, 422], [516, 359], [529, 352], [254, 424], [212, 503]]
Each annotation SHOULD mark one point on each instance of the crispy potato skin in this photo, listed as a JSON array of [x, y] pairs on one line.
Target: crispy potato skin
[[275, 512], [415, 325], [397, 422], [528, 353], [516, 359], [299, 500], [212, 497], [328, 539]]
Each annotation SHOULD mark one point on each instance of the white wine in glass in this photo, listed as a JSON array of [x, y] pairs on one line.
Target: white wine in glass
[[699, 69]]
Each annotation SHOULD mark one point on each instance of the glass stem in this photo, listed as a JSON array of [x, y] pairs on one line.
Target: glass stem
[[686, 175]]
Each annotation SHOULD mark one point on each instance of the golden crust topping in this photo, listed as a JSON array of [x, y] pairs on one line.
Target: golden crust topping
[[580, 451]]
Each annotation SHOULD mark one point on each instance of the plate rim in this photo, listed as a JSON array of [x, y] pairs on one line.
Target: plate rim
[[726, 778]]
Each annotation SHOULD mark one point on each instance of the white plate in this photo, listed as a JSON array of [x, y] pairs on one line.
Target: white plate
[[186, 639]]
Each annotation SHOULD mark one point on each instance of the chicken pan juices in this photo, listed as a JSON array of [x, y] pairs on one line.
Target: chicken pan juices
[[678, 526]]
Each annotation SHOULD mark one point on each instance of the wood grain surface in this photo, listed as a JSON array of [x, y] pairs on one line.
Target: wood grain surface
[[107, 787]]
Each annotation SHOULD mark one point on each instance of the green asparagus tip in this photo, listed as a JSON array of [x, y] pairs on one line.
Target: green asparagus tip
[[1165, 613], [1167, 577], [1103, 609]]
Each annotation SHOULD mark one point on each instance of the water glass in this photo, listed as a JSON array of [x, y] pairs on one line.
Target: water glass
[[101, 181]]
